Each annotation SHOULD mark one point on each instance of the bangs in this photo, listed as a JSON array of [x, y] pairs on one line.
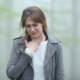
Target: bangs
[[35, 18]]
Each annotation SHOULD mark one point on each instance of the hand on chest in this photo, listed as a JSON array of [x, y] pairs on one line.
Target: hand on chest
[[39, 54]]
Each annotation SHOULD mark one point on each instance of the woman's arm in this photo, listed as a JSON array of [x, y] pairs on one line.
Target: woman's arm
[[59, 72], [17, 63]]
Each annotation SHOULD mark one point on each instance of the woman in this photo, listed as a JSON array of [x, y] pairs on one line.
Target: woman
[[37, 55]]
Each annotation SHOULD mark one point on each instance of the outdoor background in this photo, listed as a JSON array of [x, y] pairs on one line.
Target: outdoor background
[[63, 20]]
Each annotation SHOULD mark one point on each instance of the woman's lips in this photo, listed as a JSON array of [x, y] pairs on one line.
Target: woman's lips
[[33, 33]]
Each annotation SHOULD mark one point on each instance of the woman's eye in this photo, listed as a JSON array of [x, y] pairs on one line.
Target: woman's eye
[[27, 26], [35, 25]]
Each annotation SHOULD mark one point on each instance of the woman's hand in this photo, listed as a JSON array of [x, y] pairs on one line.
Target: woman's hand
[[33, 45]]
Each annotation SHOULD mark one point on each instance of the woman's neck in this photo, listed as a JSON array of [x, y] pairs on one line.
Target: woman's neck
[[43, 37]]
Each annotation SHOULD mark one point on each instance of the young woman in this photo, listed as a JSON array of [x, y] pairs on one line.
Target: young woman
[[37, 55]]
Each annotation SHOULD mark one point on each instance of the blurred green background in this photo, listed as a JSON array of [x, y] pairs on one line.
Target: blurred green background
[[63, 20]]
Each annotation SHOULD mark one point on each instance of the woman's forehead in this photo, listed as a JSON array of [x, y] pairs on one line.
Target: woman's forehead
[[29, 21]]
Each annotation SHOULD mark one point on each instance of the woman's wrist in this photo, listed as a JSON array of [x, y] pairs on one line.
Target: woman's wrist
[[29, 52]]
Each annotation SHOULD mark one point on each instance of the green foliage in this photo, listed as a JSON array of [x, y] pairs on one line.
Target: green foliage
[[2, 32], [45, 10], [66, 41], [5, 10]]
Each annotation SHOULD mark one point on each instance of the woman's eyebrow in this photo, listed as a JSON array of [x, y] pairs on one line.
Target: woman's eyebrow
[[31, 24]]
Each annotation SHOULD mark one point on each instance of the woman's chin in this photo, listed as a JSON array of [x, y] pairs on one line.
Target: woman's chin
[[35, 36]]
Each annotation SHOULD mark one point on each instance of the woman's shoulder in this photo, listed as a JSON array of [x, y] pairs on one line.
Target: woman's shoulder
[[57, 40], [18, 39], [53, 39]]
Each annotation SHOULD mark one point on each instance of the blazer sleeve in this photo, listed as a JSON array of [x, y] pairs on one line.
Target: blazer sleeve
[[59, 69], [17, 63]]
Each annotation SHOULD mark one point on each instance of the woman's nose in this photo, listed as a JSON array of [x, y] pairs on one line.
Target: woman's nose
[[32, 28]]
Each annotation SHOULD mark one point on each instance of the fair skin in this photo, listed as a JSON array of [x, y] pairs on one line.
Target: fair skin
[[35, 30]]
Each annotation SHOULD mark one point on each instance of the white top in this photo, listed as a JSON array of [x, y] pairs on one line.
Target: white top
[[38, 60]]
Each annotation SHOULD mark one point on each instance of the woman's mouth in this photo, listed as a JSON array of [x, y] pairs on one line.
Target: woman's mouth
[[33, 33]]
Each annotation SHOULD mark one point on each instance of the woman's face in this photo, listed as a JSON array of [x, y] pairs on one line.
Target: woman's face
[[34, 29]]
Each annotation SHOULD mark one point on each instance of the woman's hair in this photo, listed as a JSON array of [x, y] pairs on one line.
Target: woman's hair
[[36, 15]]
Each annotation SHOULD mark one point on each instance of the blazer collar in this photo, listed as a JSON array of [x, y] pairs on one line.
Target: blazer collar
[[52, 39]]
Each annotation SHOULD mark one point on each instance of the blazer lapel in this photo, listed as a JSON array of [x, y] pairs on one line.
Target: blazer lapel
[[49, 52], [51, 49]]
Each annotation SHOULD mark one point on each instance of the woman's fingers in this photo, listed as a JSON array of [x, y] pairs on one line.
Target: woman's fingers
[[39, 43], [39, 39], [33, 45]]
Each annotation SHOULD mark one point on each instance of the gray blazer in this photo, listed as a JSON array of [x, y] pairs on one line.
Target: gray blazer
[[19, 67]]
